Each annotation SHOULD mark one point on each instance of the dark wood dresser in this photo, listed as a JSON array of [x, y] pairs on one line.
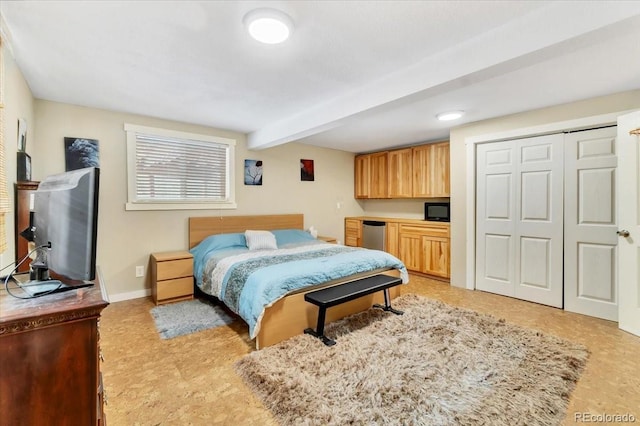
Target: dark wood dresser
[[49, 358]]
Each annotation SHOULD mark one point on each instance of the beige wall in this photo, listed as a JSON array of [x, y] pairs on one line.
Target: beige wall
[[19, 103], [125, 238], [587, 108]]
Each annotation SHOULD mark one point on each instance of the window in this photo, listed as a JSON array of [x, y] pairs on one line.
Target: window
[[170, 170]]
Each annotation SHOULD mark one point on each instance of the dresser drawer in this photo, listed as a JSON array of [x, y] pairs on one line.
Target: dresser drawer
[[179, 287], [174, 269], [429, 230]]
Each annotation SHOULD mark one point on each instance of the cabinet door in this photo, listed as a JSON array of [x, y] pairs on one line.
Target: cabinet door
[[431, 170], [392, 239], [378, 182], [362, 177], [410, 250], [400, 173], [439, 170], [436, 256], [420, 157]]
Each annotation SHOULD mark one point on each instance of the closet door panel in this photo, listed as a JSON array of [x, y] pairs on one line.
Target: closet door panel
[[519, 213], [591, 252], [540, 214], [495, 218]]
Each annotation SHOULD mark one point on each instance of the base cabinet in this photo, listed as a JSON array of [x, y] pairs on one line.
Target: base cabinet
[[425, 248], [49, 358], [422, 246]]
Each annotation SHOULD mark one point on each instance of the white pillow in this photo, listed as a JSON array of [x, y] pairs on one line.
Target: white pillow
[[260, 240]]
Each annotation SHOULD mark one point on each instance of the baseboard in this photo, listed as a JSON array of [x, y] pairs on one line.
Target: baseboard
[[119, 297]]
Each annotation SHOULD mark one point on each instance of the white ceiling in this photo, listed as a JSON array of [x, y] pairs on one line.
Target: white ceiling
[[355, 75]]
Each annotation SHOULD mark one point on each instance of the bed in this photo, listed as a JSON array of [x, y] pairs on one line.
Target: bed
[[219, 259]]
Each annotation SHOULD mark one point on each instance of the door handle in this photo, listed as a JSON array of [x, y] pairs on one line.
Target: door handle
[[623, 233]]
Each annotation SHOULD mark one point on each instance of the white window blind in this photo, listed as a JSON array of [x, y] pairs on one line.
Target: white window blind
[[179, 170]]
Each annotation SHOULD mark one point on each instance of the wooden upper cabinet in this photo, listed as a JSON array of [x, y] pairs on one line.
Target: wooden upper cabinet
[[378, 178], [418, 172], [362, 176], [400, 173], [431, 170], [371, 175]]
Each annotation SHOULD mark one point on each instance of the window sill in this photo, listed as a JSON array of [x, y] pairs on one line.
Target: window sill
[[180, 206]]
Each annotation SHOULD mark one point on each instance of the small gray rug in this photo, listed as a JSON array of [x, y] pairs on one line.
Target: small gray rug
[[177, 319]]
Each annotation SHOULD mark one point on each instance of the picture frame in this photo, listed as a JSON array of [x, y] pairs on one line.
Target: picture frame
[[22, 135], [253, 172], [80, 153], [307, 172], [24, 167]]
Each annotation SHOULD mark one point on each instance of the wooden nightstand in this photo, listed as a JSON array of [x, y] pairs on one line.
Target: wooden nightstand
[[328, 239], [171, 276]]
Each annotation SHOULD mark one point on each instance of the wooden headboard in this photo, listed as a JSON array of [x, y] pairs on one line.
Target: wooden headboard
[[201, 227]]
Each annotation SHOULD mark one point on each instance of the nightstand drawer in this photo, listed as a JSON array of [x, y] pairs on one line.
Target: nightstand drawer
[[175, 288], [174, 269]]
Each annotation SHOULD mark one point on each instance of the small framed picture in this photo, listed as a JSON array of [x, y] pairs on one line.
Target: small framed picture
[[22, 135], [253, 172], [24, 167], [307, 172]]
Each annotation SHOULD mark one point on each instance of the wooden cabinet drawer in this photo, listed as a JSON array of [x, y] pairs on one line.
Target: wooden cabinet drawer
[[352, 232], [353, 226], [174, 269], [430, 230], [179, 287]]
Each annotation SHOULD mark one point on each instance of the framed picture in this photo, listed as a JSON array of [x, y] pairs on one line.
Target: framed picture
[[253, 172], [22, 135], [24, 167], [306, 170], [80, 153]]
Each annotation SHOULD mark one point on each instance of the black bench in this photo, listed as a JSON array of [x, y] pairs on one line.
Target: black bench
[[332, 296]]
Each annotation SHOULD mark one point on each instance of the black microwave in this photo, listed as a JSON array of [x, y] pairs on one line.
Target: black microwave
[[439, 212]]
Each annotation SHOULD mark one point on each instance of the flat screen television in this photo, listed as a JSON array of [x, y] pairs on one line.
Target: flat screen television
[[65, 228]]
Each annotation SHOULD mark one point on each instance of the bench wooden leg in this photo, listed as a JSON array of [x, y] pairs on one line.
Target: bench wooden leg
[[319, 331], [387, 304]]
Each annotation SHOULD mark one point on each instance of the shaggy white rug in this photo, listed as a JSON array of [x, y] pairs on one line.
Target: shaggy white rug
[[434, 365]]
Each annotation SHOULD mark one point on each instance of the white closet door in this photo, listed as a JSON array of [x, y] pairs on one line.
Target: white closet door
[[539, 227], [591, 242], [629, 220], [495, 217], [519, 219]]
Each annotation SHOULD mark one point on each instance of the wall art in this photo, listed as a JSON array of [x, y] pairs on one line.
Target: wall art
[[306, 170], [22, 135], [80, 153], [253, 172]]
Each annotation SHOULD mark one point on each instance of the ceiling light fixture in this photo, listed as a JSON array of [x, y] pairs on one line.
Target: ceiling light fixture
[[268, 26], [451, 115]]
